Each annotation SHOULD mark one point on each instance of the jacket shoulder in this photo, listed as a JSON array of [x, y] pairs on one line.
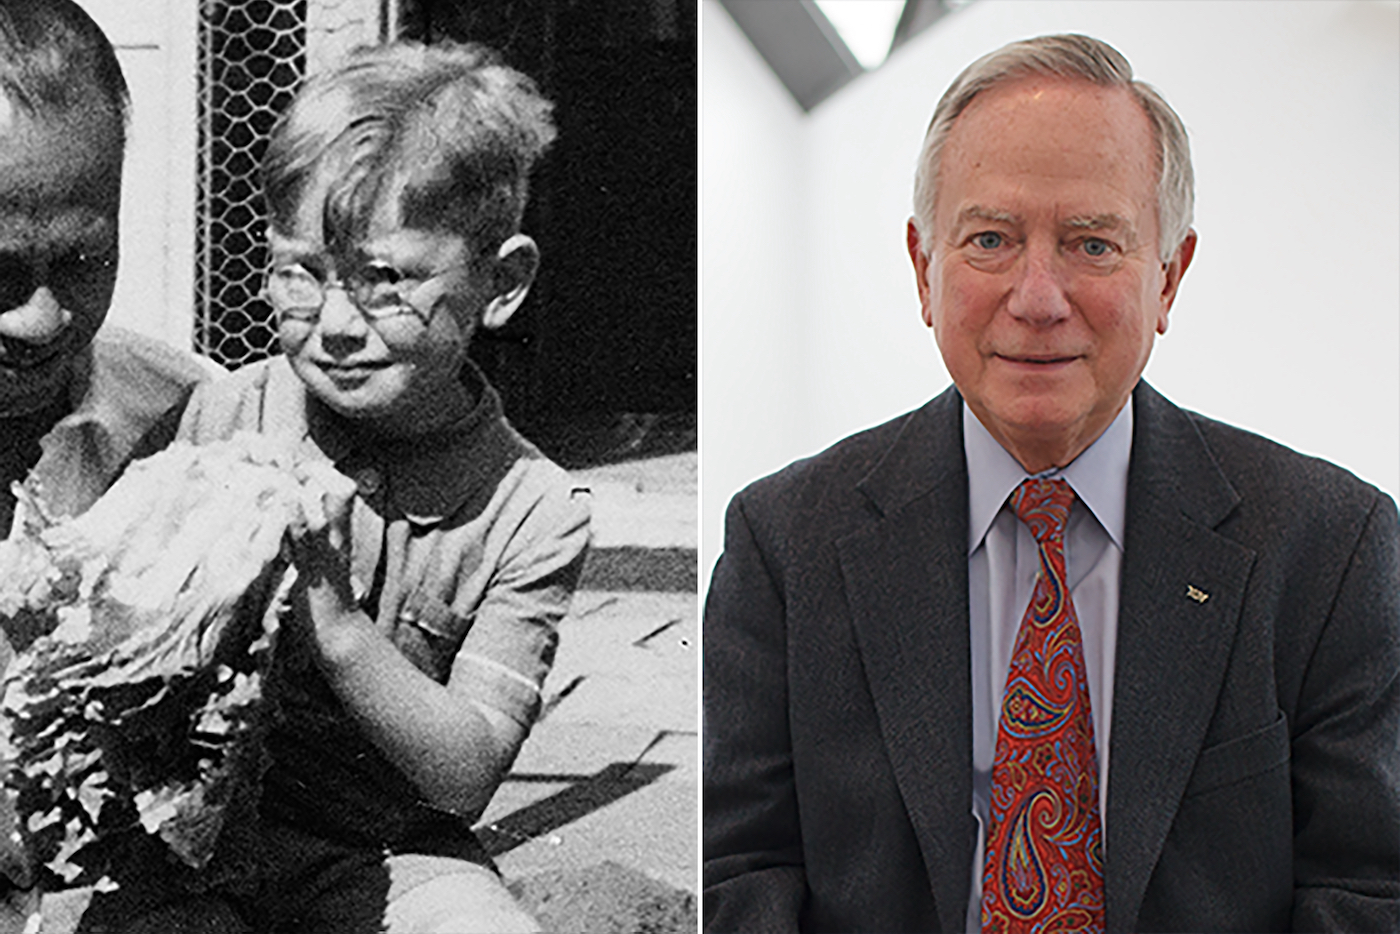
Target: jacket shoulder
[[840, 466], [1304, 517], [819, 498], [1262, 469], [148, 364]]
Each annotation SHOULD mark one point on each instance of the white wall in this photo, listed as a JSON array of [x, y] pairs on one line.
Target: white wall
[[155, 43], [1288, 322], [753, 397]]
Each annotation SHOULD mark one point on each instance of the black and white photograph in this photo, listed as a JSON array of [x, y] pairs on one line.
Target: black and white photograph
[[348, 422]]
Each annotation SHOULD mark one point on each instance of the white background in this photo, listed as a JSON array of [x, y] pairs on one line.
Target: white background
[[155, 43], [1288, 321]]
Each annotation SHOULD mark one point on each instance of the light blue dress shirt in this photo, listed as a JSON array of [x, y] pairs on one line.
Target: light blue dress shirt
[[1002, 562]]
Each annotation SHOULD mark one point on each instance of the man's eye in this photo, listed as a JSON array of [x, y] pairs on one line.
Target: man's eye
[[17, 280], [988, 240], [1096, 247], [78, 264]]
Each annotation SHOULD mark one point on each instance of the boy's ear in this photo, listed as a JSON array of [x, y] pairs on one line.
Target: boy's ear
[[515, 266]]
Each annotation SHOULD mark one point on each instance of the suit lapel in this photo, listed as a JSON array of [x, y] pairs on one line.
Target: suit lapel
[[905, 577], [1172, 644]]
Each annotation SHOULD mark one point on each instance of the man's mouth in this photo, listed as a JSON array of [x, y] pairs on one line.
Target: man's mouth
[[349, 371], [1044, 360]]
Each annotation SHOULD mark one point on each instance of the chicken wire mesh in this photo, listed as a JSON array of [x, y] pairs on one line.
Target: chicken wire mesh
[[252, 57]]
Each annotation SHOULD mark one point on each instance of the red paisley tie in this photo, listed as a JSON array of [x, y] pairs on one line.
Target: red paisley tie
[[1044, 870]]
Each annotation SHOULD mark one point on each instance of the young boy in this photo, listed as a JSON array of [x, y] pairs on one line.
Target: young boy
[[408, 671]]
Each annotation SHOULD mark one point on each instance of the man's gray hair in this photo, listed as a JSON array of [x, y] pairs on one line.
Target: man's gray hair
[[1065, 56]]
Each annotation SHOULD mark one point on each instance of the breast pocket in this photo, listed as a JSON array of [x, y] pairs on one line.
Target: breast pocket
[[1241, 758], [429, 634]]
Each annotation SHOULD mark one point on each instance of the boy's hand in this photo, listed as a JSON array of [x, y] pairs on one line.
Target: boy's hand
[[320, 538]]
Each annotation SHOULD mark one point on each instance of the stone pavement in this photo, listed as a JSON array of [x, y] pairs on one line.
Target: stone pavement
[[596, 826]]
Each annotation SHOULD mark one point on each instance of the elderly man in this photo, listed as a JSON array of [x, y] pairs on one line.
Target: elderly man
[[1050, 653], [76, 404]]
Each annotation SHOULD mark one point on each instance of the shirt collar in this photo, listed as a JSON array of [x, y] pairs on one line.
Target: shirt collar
[[1098, 476], [112, 402], [95, 398], [428, 478]]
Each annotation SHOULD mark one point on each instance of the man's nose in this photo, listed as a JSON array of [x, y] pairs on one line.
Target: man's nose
[[1038, 292], [343, 328], [41, 320]]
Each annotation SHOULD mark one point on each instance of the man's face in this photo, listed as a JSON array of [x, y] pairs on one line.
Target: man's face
[[1043, 286], [60, 190]]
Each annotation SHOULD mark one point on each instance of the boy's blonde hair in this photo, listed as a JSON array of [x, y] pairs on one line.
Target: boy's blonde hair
[[448, 131]]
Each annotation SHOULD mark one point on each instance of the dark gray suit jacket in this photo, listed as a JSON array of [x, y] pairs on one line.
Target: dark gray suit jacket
[[1255, 779]]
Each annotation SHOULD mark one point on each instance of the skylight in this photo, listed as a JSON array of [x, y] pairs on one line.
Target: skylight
[[866, 26]]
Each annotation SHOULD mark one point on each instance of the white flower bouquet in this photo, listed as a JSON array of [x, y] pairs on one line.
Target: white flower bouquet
[[144, 631]]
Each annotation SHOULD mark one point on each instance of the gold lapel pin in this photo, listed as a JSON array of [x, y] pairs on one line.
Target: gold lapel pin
[[1196, 593]]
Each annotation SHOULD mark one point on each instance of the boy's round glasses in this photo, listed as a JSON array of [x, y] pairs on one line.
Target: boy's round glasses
[[380, 292]]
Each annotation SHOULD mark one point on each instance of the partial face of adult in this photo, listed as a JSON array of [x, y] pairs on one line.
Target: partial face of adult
[[1043, 283], [60, 179], [381, 335], [60, 190]]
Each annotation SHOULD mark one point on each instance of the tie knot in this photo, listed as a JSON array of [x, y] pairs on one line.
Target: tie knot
[[1043, 505]]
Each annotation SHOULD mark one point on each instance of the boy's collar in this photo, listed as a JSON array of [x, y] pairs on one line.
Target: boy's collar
[[427, 478]]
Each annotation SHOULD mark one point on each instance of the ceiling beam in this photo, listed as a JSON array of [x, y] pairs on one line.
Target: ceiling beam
[[799, 45]]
